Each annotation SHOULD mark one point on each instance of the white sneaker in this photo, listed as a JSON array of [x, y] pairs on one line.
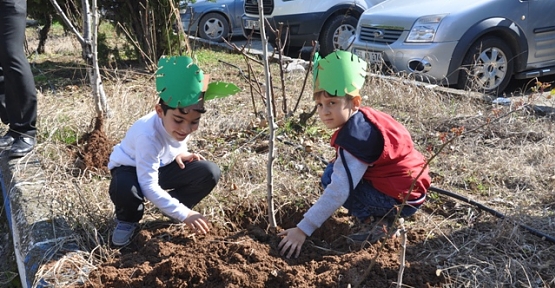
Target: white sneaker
[[123, 232]]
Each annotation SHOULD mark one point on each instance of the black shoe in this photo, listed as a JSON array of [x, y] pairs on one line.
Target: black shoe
[[6, 141], [21, 146]]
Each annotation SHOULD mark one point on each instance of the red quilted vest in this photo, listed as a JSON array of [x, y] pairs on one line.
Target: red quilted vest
[[395, 170]]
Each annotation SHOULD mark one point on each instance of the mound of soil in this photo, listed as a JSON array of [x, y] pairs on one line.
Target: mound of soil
[[96, 150], [163, 254], [243, 253]]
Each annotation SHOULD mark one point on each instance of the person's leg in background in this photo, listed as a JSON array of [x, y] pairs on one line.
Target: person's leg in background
[[18, 100]]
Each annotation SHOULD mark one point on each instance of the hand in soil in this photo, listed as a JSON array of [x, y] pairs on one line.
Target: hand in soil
[[294, 239], [196, 222]]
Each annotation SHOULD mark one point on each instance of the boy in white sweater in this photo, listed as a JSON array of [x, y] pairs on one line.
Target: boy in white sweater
[[152, 161]]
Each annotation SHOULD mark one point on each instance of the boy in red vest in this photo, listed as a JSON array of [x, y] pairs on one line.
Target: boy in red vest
[[376, 171]]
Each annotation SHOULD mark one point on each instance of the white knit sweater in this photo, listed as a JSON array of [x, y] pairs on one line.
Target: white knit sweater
[[147, 146]]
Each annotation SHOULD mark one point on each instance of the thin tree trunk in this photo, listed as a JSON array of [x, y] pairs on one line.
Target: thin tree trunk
[[270, 115], [66, 20], [96, 81], [88, 42], [402, 252], [43, 33]]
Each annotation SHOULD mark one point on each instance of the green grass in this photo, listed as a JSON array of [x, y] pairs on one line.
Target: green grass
[[208, 57]]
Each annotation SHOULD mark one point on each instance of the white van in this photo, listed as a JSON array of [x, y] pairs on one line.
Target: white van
[[330, 22]]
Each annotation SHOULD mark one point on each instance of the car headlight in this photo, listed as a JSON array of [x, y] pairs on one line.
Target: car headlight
[[425, 28]]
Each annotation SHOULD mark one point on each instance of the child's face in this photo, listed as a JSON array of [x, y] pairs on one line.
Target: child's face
[[334, 111], [177, 124]]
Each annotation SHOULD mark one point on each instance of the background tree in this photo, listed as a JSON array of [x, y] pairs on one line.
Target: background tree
[[150, 25], [88, 39], [44, 12]]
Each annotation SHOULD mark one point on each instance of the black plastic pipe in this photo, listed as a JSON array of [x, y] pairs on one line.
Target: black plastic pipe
[[491, 211]]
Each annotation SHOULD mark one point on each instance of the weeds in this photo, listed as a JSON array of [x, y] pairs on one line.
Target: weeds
[[507, 163]]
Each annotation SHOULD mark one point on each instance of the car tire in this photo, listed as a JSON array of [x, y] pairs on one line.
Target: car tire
[[335, 35], [213, 27], [487, 67]]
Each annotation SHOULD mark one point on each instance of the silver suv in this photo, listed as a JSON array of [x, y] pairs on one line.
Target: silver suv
[[476, 44]]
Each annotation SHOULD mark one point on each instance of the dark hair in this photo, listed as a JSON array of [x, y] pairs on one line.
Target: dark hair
[[326, 93], [182, 110]]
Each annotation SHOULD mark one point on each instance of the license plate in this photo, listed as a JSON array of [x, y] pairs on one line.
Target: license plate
[[251, 24], [372, 57]]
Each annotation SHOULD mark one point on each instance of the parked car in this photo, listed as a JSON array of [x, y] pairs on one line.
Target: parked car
[[330, 22], [478, 44], [212, 20]]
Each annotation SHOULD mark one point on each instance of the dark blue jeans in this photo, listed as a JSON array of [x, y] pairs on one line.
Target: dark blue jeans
[[365, 201], [188, 185]]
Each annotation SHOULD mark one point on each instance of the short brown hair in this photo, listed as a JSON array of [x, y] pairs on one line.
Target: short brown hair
[[321, 93]]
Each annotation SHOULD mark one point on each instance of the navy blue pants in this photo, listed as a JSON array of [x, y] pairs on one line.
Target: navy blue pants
[[365, 201], [18, 96], [188, 185]]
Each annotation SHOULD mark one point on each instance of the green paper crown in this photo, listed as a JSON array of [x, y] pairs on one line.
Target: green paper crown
[[339, 73], [180, 83]]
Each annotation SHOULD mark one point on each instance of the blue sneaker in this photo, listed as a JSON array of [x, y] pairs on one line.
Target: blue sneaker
[[123, 232]]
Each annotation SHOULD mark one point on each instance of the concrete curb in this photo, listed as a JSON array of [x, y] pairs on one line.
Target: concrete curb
[[37, 234]]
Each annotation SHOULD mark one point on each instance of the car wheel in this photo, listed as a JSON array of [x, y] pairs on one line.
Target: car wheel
[[336, 34], [213, 27], [487, 66]]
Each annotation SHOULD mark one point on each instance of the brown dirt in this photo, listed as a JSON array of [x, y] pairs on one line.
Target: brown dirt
[[168, 255], [96, 149]]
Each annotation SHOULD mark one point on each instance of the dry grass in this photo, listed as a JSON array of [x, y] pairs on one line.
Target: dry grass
[[503, 159]]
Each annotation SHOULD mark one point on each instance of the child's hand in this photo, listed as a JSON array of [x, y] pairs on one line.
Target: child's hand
[[197, 222], [185, 157], [294, 239]]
